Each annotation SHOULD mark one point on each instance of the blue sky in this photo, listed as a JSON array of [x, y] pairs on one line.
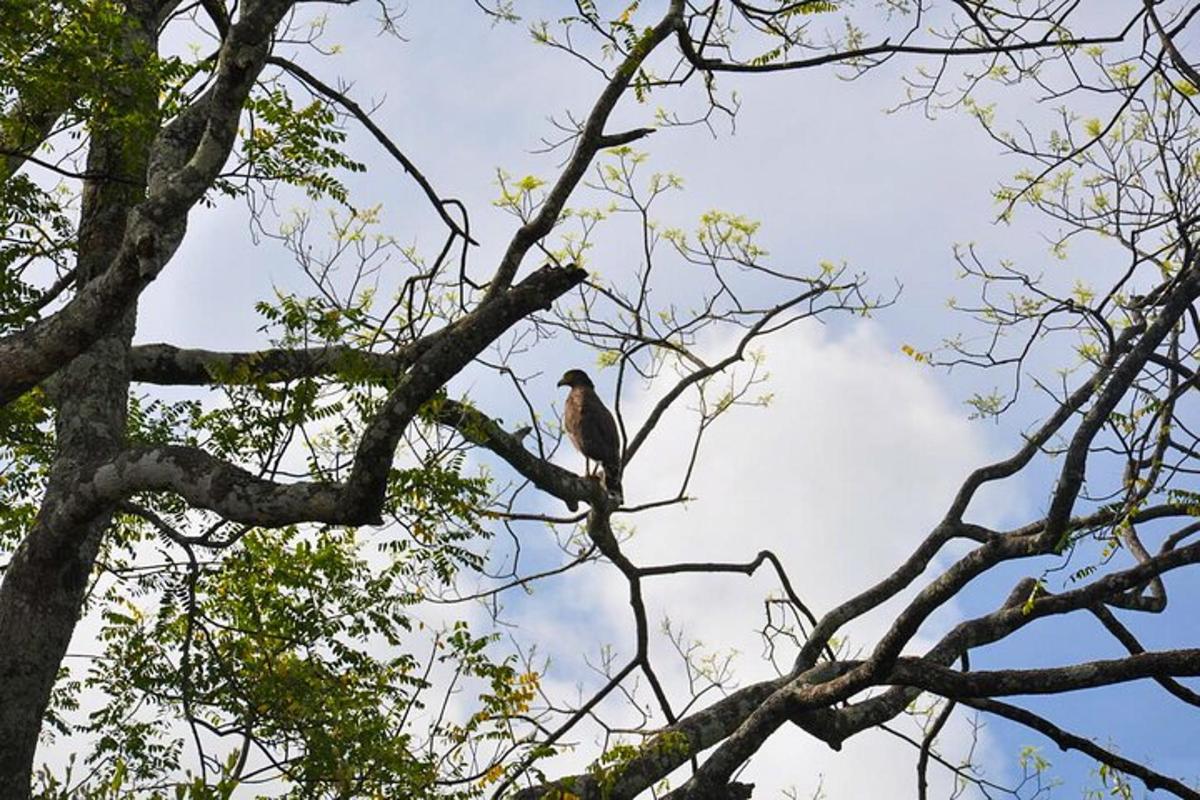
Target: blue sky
[[876, 442]]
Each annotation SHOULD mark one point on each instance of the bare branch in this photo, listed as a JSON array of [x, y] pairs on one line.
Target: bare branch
[[343, 100]]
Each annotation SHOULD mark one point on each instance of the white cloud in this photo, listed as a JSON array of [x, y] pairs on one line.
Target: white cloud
[[842, 476]]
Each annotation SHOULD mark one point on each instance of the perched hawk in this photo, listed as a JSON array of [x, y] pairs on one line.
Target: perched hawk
[[592, 428]]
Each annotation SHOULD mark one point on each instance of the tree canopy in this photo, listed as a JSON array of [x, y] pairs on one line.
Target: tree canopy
[[290, 569]]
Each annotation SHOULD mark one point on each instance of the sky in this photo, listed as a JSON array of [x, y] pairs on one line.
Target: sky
[[860, 450]]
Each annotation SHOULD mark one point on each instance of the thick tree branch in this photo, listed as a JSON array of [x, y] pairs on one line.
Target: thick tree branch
[[1024, 605], [947, 682], [1058, 520], [1071, 476], [951, 526], [167, 365], [185, 159], [669, 750], [453, 350], [208, 482], [481, 430]]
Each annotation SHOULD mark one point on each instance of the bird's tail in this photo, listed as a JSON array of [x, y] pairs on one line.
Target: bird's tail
[[612, 480]]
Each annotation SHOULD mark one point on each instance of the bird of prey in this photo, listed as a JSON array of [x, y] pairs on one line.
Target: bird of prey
[[592, 428]]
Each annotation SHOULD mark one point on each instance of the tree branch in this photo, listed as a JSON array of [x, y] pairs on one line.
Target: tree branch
[[165, 364], [185, 158], [590, 141], [1069, 741], [322, 88], [920, 673], [481, 430]]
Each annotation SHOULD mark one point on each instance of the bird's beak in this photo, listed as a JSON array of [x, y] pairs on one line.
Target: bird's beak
[[562, 382]]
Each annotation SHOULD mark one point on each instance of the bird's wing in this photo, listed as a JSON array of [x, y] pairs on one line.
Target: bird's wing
[[599, 431]]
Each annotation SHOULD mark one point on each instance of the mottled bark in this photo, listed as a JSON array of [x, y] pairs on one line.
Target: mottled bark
[[43, 588], [180, 166], [165, 364]]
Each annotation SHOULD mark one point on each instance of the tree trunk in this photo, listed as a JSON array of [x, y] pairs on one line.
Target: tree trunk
[[45, 584]]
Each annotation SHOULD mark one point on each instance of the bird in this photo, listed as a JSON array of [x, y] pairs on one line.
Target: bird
[[592, 429]]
